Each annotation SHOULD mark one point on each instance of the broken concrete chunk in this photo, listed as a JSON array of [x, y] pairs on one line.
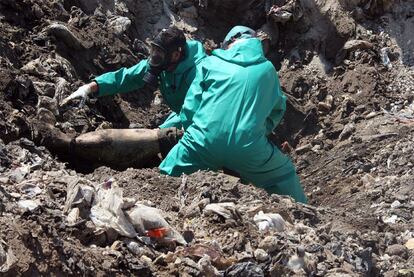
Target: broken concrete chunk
[[261, 255], [30, 205], [129, 202], [119, 24], [327, 104], [46, 116], [200, 250], [50, 66], [49, 104]]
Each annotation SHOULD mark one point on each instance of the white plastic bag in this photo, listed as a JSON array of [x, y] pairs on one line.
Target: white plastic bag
[[269, 221], [106, 211]]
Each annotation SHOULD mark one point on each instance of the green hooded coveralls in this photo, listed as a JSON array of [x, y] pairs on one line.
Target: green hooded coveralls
[[234, 102], [173, 85]]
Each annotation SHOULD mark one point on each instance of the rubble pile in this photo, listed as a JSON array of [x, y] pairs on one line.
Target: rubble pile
[[347, 68]]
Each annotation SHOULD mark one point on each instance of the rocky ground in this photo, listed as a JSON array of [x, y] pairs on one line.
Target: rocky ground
[[347, 67]]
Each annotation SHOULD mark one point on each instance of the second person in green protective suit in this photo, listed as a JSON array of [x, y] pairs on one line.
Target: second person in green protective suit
[[234, 102], [171, 67]]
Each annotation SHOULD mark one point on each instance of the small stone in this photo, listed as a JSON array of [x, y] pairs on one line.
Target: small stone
[[410, 244], [392, 219], [129, 202], [397, 250], [261, 255], [15, 195], [116, 245], [19, 174], [119, 24], [395, 204], [371, 115], [107, 264], [135, 248], [146, 259], [28, 205], [207, 268], [302, 229], [73, 216], [303, 149], [160, 260], [3, 255], [269, 243], [348, 130]]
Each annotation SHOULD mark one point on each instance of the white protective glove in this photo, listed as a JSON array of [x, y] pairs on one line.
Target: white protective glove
[[83, 92]]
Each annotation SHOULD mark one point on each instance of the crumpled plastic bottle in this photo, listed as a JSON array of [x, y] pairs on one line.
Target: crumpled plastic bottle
[[148, 221]]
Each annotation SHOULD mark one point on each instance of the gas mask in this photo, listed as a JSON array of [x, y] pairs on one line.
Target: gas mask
[[162, 52], [159, 60]]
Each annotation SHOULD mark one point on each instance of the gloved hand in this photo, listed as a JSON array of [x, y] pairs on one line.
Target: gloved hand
[[83, 92]]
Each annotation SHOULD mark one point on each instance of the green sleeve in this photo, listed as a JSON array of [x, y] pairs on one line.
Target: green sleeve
[[277, 112], [192, 99], [123, 80], [173, 120]]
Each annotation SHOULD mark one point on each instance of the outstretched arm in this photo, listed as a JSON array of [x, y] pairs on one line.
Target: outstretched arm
[[120, 81], [123, 80]]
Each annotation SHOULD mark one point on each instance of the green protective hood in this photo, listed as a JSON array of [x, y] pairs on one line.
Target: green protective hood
[[239, 32], [194, 53], [243, 52]]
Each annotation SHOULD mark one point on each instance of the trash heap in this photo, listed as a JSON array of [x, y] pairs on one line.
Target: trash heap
[[347, 68], [207, 224]]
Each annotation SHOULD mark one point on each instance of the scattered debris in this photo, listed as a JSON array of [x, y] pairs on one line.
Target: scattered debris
[[347, 69], [226, 210]]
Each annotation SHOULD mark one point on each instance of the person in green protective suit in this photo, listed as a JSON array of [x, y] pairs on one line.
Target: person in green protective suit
[[234, 102], [171, 67]]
